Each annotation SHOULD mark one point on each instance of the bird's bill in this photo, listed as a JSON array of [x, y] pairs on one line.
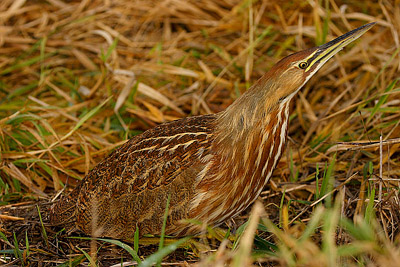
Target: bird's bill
[[324, 52]]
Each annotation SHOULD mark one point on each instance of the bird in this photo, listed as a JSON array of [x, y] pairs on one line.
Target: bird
[[209, 168]]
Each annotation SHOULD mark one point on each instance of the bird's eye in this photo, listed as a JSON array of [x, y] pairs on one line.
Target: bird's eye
[[303, 65]]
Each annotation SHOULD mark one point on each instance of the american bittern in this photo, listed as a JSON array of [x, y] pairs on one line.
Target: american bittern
[[212, 167]]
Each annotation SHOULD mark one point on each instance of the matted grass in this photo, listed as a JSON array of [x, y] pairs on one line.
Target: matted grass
[[78, 78]]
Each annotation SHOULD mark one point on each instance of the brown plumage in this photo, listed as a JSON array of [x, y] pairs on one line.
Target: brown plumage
[[212, 167]]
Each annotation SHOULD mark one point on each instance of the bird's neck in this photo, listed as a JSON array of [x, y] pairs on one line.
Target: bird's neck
[[257, 113], [251, 138], [248, 141]]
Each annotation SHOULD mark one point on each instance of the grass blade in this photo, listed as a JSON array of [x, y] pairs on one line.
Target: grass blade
[[136, 240], [90, 259], [160, 254], [369, 211], [128, 248], [43, 229], [382, 100], [82, 121], [164, 224], [17, 251], [74, 262]]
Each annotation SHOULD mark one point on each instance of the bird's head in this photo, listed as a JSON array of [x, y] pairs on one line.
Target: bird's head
[[286, 78], [282, 82]]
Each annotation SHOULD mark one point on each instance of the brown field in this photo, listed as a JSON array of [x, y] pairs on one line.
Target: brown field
[[79, 78]]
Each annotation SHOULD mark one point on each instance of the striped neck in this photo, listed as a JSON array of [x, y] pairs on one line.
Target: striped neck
[[243, 159]]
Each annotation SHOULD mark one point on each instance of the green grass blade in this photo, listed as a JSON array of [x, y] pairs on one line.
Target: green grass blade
[[265, 246], [43, 229], [136, 240], [128, 248], [317, 193], [161, 245], [23, 117], [74, 262], [369, 211], [388, 62], [313, 223], [331, 221], [22, 90], [9, 251], [42, 58], [110, 49], [351, 250], [362, 231], [17, 251], [382, 100], [239, 234], [327, 182], [90, 259], [281, 207], [83, 120], [325, 26], [26, 63], [4, 238], [368, 170], [160, 254], [26, 244]]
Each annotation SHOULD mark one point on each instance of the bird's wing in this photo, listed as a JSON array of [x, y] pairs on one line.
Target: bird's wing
[[153, 158], [130, 187]]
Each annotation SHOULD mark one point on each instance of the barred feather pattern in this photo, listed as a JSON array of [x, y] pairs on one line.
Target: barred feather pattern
[[234, 177], [130, 187]]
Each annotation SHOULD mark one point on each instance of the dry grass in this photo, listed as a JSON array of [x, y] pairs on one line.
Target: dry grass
[[77, 78]]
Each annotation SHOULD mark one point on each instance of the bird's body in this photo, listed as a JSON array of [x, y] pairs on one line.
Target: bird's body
[[211, 167]]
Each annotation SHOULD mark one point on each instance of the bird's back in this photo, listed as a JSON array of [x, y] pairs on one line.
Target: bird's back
[[131, 186]]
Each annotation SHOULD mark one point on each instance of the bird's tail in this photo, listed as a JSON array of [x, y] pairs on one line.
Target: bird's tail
[[62, 212]]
